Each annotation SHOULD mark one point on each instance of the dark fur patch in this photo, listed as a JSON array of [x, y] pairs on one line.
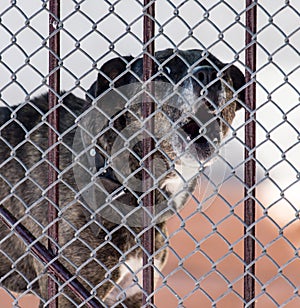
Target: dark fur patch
[[93, 241]]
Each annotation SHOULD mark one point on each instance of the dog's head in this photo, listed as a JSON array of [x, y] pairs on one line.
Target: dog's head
[[196, 97]]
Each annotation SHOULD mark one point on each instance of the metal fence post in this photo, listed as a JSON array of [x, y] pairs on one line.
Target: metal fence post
[[148, 146], [53, 156], [250, 165]]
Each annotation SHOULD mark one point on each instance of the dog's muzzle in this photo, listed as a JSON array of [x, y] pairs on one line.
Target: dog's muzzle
[[199, 133], [197, 139]]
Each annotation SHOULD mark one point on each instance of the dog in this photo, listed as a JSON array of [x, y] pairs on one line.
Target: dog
[[100, 224]]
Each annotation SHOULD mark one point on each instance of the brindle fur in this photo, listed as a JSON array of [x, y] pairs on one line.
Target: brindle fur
[[86, 253]]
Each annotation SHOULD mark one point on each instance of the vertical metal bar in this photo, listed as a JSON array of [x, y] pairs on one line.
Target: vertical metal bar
[[53, 120], [148, 146], [250, 142]]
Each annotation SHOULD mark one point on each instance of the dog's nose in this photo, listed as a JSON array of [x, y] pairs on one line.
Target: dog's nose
[[205, 74]]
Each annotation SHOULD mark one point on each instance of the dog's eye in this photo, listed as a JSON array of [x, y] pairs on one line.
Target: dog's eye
[[167, 70]]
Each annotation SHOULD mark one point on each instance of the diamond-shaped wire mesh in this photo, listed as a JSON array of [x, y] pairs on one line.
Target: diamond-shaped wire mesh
[[205, 240]]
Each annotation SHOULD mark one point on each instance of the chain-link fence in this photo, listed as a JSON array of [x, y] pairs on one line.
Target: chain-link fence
[[136, 180]]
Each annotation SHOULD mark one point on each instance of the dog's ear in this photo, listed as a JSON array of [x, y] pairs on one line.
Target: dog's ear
[[238, 82], [109, 71]]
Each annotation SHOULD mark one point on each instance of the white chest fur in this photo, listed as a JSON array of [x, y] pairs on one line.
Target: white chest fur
[[178, 184], [130, 281]]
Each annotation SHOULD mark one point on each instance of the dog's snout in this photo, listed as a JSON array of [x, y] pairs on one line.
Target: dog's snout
[[205, 74]]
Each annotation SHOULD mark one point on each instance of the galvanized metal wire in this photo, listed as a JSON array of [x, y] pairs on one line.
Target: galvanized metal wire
[[236, 244]]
